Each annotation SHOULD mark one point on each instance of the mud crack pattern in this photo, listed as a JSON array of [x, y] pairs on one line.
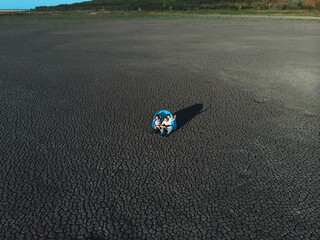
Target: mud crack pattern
[[77, 100]]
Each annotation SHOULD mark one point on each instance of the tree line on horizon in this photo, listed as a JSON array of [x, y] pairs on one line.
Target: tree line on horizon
[[184, 5]]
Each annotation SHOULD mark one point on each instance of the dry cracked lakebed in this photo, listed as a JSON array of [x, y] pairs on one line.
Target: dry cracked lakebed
[[77, 100]]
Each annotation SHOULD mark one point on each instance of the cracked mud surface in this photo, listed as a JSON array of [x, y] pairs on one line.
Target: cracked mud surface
[[77, 102]]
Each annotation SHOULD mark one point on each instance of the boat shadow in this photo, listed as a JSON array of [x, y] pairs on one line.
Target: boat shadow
[[187, 114]]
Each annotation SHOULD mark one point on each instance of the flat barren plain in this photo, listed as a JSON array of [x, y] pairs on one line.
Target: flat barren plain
[[77, 101]]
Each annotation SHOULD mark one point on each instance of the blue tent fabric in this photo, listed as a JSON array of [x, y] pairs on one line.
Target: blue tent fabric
[[164, 114]]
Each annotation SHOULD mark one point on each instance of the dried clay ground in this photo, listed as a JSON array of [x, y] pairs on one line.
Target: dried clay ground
[[77, 100]]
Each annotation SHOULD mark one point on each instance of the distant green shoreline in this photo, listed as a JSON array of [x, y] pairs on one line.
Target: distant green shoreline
[[101, 15]]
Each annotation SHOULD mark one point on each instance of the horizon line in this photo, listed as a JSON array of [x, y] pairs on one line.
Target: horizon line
[[14, 9]]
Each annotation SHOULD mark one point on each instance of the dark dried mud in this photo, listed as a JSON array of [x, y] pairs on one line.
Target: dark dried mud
[[76, 107]]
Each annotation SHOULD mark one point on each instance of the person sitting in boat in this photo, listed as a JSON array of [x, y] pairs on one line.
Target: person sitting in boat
[[157, 123], [167, 125]]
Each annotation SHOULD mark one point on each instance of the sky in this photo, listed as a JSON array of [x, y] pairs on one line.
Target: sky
[[27, 4]]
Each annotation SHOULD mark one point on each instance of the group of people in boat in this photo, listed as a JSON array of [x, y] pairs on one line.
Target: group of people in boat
[[164, 127]]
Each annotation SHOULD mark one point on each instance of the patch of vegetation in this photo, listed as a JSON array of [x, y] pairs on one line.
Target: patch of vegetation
[[184, 5], [88, 15]]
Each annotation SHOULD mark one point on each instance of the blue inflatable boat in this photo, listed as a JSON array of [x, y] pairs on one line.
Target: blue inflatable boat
[[164, 114]]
